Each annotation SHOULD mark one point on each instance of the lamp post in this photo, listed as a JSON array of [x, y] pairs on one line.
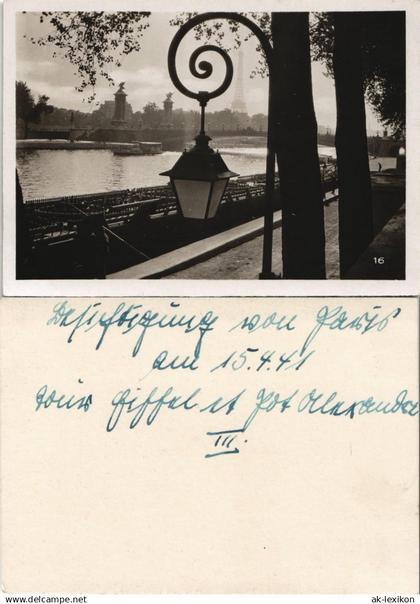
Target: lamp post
[[200, 176]]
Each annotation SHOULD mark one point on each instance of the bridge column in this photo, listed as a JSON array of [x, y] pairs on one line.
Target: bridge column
[[119, 108]]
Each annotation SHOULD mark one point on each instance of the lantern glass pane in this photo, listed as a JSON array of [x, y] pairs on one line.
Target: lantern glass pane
[[216, 196], [193, 197]]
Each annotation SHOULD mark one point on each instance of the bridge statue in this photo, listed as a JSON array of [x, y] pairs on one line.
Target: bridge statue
[[120, 106], [167, 108]]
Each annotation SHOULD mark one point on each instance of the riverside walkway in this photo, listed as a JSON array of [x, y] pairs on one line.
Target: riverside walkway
[[244, 261], [236, 253]]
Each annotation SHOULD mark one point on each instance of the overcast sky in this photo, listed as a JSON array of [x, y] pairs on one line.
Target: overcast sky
[[147, 78]]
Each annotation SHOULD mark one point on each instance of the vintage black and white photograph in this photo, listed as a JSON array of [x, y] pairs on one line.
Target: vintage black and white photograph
[[210, 146]]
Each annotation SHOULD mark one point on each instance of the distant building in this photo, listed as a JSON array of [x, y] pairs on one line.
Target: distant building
[[238, 103], [107, 109]]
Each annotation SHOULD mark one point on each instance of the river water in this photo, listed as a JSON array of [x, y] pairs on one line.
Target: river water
[[46, 173]]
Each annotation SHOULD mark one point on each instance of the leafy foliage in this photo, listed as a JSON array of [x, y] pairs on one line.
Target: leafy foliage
[[93, 42], [152, 115], [26, 108], [383, 48]]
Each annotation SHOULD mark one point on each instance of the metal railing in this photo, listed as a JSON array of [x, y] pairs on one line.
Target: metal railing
[[53, 220]]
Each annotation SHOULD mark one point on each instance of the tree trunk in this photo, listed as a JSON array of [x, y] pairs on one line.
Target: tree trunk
[[355, 200], [296, 149]]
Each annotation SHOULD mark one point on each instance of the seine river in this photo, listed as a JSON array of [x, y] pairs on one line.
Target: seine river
[[45, 173]]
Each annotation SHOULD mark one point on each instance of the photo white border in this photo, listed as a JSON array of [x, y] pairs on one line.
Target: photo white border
[[184, 287]]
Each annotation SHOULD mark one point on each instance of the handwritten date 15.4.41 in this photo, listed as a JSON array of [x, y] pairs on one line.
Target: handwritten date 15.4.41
[[264, 360]]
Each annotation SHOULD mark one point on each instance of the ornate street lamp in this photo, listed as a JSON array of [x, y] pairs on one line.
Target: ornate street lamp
[[200, 176], [199, 179]]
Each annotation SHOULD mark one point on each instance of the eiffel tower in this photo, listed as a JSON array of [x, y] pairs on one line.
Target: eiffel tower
[[238, 103]]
